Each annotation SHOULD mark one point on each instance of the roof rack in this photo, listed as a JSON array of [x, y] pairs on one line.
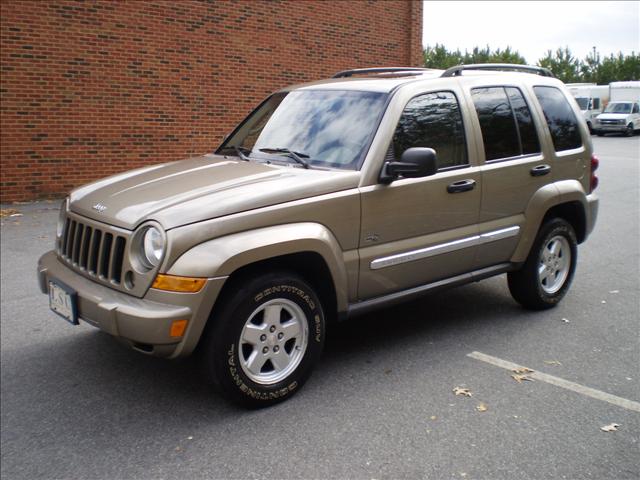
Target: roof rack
[[364, 71], [457, 70]]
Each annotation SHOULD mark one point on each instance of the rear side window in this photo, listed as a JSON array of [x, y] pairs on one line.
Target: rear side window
[[524, 120], [506, 122], [562, 122], [433, 120]]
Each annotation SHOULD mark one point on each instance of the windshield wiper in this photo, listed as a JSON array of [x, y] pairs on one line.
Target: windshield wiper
[[241, 152], [297, 156]]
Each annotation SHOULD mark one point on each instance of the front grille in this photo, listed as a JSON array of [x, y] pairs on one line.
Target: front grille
[[93, 249]]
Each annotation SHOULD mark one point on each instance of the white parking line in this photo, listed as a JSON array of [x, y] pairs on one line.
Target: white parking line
[[559, 382]]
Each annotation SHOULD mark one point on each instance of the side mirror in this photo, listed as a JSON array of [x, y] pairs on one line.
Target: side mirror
[[414, 163]]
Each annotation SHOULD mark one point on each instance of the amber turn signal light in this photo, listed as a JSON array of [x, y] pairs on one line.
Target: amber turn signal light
[[178, 327], [174, 283]]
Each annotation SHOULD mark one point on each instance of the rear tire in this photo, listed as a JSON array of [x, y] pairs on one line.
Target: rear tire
[[265, 340], [548, 271]]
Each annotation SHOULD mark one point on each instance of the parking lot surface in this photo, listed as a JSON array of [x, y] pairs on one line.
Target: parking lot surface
[[76, 404]]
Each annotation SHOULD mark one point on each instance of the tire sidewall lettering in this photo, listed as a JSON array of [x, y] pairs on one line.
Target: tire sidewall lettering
[[314, 318]]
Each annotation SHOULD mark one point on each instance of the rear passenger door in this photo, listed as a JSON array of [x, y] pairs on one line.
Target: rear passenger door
[[514, 169]]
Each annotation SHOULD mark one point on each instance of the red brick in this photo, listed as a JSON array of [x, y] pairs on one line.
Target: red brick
[[92, 88]]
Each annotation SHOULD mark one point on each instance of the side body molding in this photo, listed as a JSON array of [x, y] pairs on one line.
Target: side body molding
[[222, 256]]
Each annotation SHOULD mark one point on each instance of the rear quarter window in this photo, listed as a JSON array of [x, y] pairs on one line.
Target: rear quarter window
[[562, 122]]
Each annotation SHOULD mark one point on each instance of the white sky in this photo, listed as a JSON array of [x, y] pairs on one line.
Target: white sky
[[532, 28]]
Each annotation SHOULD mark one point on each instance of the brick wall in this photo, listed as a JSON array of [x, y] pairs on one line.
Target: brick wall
[[97, 87]]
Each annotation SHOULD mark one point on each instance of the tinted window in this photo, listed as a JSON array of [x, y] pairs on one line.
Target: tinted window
[[596, 103], [497, 123], [526, 128], [560, 118], [433, 120]]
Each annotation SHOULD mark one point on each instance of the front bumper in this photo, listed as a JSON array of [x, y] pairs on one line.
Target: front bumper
[[142, 323], [611, 128]]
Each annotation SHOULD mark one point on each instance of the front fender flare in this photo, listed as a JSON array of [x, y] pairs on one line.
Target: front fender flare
[[223, 256]]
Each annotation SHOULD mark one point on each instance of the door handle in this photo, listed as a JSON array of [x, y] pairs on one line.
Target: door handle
[[461, 186], [540, 170]]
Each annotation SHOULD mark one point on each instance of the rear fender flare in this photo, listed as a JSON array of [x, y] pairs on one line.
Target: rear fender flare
[[542, 201]]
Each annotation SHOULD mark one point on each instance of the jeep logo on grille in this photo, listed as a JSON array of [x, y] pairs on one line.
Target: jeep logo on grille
[[99, 207]]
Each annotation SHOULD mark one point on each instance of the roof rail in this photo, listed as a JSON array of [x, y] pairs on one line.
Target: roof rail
[[457, 70], [364, 71]]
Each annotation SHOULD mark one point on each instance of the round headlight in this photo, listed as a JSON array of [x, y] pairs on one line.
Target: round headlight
[[153, 246]]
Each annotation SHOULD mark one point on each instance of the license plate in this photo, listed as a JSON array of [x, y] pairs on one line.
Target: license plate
[[62, 300]]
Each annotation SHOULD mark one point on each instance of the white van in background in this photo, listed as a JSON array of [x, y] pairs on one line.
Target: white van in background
[[591, 99], [622, 114]]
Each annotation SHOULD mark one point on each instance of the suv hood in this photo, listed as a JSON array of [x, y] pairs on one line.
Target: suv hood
[[200, 188], [613, 116]]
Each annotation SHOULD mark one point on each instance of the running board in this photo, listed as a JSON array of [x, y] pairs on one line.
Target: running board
[[367, 306]]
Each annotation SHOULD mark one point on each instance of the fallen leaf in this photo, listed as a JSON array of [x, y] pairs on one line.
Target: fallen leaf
[[178, 449], [614, 291], [521, 378], [481, 408], [16, 215], [462, 391], [522, 370], [610, 428], [603, 301], [565, 320], [433, 417], [8, 212], [552, 362], [189, 438]]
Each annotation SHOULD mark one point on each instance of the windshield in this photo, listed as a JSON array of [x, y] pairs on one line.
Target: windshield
[[618, 108], [583, 102], [328, 128]]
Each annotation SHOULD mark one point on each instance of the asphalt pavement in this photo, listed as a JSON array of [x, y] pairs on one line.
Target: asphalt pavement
[[75, 404]]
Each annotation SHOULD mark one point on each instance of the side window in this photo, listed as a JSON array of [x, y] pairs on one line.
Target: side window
[[506, 122], [497, 124], [433, 120], [527, 130], [560, 118], [635, 108], [596, 103]]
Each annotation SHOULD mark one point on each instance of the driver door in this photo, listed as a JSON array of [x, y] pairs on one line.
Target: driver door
[[419, 230]]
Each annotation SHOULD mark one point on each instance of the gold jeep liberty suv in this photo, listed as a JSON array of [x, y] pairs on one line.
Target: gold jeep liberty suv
[[331, 199]]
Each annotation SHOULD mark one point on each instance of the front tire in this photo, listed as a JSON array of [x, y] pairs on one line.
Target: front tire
[[629, 131], [265, 340], [548, 271]]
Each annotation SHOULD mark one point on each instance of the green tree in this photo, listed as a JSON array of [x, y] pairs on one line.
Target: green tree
[[593, 68], [439, 57], [563, 64], [617, 68]]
